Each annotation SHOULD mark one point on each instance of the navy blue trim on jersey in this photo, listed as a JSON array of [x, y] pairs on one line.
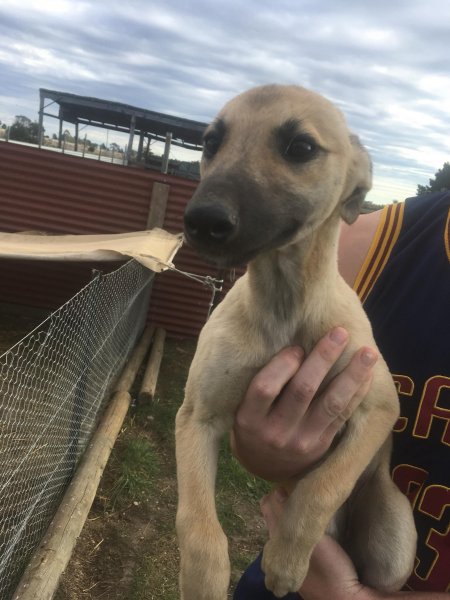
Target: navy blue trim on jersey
[[251, 585]]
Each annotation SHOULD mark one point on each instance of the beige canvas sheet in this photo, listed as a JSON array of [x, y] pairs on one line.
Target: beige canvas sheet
[[155, 249]]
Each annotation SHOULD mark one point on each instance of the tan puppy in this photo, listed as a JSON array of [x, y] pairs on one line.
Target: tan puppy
[[279, 171]]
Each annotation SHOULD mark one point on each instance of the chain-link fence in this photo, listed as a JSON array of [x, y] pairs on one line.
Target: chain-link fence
[[53, 385]]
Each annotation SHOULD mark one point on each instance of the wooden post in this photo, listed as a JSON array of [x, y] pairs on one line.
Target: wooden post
[[141, 145], [148, 386], [41, 577], [157, 212], [60, 132], [158, 204], [126, 379], [41, 119], [165, 158], [76, 135], [130, 139]]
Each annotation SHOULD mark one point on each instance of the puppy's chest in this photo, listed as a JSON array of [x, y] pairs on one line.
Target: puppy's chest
[[237, 345], [278, 335], [230, 366]]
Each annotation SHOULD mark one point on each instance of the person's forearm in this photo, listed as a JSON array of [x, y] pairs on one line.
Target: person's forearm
[[370, 594], [333, 575], [413, 596]]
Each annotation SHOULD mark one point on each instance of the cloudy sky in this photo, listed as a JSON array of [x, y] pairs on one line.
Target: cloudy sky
[[385, 63]]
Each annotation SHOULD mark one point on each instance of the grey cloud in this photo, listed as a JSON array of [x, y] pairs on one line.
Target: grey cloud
[[188, 58]]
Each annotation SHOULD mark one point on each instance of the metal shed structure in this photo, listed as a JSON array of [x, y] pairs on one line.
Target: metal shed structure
[[115, 116]]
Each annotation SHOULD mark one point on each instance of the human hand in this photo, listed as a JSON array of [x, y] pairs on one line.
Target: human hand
[[281, 429], [331, 572]]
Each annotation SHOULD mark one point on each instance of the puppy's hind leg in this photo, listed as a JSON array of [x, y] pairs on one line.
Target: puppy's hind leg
[[382, 536]]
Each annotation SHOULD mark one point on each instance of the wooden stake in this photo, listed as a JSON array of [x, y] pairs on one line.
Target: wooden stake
[[148, 386], [158, 204], [129, 374], [40, 580]]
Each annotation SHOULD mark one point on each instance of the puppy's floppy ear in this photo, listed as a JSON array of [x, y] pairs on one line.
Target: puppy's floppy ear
[[359, 181]]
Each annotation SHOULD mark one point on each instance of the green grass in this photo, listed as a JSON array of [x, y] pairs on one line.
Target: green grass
[[233, 478], [136, 467], [138, 498], [234, 485]]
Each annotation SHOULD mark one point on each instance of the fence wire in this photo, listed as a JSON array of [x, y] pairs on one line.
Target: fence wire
[[53, 386]]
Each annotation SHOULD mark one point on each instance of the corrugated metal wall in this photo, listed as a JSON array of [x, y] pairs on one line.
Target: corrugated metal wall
[[48, 191]]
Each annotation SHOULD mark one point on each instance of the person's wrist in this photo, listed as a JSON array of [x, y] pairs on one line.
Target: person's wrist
[[366, 593], [360, 592]]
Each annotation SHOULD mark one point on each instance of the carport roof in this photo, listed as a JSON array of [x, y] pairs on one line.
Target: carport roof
[[116, 115]]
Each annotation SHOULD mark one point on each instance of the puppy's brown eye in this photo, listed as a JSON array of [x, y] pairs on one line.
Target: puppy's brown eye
[[211, 145], [301, 149]]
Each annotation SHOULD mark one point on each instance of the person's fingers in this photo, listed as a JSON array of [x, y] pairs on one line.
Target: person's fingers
[[267, 385], [272, 506], [282, 426], [335, 426], [297, 395], [335, 406]]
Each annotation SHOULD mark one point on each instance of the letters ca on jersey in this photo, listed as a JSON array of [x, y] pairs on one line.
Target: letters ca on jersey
[[430, 501]]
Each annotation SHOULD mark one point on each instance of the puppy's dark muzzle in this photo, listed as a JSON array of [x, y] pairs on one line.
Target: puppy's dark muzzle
[[231, 219], [209, 225]]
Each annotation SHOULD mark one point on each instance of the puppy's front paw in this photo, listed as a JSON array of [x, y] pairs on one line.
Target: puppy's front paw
[[284, 568]]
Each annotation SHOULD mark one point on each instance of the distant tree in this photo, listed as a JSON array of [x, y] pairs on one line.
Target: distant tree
[[440, 182], [115, 147], [68, 136], [369, 207], [54, 136], [24, 130]]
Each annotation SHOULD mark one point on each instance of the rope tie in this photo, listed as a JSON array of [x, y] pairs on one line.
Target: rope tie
[[215, 285]]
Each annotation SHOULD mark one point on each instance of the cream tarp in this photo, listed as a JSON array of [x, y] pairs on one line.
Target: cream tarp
[[155, 248]]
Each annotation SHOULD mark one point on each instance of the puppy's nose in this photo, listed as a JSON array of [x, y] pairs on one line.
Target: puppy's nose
[[209, 224]]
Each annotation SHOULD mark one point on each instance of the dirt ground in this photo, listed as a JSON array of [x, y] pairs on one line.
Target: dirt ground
[[127, 549], [16, 322]]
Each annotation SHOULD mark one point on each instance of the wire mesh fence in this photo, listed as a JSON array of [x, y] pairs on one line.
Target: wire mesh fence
[[53, 386]]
